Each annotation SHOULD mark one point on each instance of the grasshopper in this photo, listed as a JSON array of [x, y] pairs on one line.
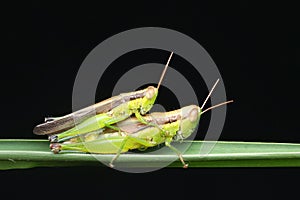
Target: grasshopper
[[171, 126], [108, 112]]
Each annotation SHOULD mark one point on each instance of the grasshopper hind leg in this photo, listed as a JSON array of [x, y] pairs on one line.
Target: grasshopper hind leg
[[144, 144], [118, 153]]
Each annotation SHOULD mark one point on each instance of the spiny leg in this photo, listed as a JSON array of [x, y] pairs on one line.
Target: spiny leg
[[118, 152], [134, 139], [56, 138], [167, 143], [107, 125]]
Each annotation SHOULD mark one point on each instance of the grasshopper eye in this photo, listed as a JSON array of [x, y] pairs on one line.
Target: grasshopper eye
[[193, 115], [150, 92]]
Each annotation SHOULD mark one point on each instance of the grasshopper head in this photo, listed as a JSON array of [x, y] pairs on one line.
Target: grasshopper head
[[190, 119], [149, 99]]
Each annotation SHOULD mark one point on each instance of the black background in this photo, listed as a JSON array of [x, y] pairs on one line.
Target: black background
[[255, 46]]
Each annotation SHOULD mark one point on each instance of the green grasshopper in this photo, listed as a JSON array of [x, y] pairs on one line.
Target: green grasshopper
[[108, 112], [172, 126]]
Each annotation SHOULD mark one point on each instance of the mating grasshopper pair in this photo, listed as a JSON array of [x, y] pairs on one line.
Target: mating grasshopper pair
[[112, 131]]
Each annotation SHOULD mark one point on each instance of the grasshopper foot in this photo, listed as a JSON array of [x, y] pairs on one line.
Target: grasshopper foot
[[53, 138], [111, 165], [185, 165], [55, 148]]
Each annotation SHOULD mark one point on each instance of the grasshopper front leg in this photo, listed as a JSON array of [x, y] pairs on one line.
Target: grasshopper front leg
[[142, 120], [179, 154]]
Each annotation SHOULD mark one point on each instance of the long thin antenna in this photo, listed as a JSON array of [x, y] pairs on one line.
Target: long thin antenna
[[220, 104], [212, 89], [163, 73]]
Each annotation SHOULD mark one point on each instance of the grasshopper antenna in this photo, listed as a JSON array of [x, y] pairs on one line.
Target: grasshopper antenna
[[212, 89], [215, 106], [163, 73]]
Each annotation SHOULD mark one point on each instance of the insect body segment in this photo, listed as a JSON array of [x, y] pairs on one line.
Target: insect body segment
[[108, 128], [107, 112], [174, 125], [143, 137], [140, 104]]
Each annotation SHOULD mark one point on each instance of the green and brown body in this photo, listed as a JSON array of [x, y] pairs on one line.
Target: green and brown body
[[102, 114], [108, 112], [173, 125]]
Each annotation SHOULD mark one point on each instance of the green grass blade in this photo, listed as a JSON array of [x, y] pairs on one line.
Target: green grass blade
[[18, 154]]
